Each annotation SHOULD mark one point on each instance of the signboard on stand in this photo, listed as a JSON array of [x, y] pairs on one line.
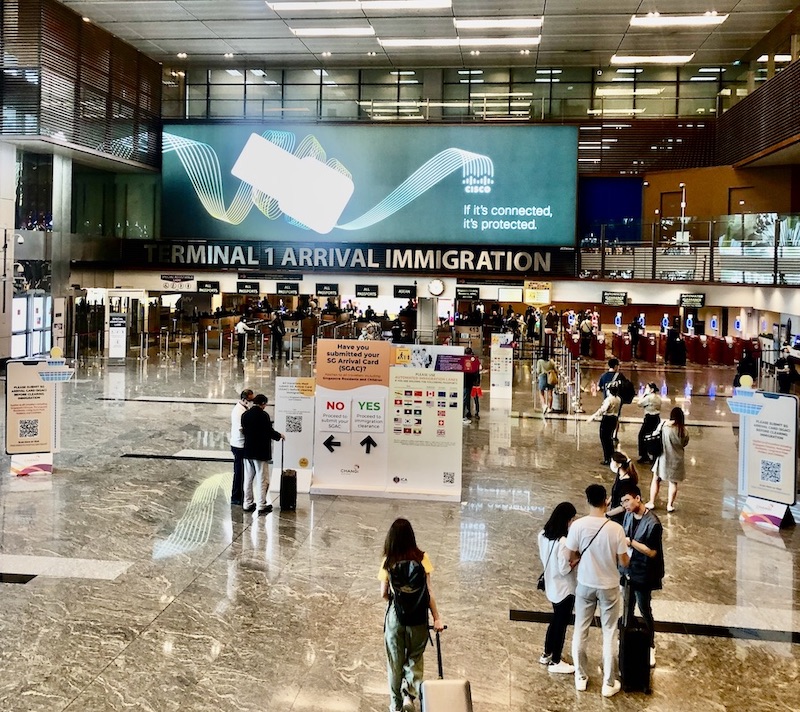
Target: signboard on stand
[[502, 371], [117, 336], [767, 455], [294, 417], [426, 434]]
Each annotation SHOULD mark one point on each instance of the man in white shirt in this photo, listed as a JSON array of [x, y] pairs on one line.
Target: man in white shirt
[[596, 545], [241, 330], [236, 439]]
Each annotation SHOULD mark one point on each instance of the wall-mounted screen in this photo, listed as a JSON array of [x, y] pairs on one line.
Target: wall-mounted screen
[[509, 294], [502, 185]]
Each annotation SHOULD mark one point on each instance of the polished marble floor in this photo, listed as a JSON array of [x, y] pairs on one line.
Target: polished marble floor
[[151, 593]]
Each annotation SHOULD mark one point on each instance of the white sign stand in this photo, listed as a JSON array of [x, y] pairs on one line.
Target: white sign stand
[[294, 417], [767, 456]]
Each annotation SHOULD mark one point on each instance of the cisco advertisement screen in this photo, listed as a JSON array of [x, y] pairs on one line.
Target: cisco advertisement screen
[[464, 185]]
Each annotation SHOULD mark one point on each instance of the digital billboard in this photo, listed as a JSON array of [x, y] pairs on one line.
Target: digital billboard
[[498, 185]]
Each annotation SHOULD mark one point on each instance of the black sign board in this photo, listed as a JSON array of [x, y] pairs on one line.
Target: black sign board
[[287, 289], [367, 290], [468, 294], [268, 275], [208, 287], [117, 321], [615, 299], [327, 290], [248, 288], [405, 292], [177, 277], [692, 301]]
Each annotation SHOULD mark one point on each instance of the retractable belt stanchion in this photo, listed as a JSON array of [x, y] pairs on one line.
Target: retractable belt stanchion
[[99, 349], [221, 339], [577, 398], [261, 355], [205, 344], [230, 353], [75, 350], [142, 355], [194, 346]]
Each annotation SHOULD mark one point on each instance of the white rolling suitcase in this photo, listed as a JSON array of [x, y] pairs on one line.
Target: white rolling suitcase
[[445, 695]]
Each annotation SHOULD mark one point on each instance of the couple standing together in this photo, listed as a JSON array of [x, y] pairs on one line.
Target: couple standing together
[[583, 560]]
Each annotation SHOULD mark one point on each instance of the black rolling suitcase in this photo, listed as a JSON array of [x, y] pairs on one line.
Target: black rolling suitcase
[[288, 496], [634, 650], [445, 695]]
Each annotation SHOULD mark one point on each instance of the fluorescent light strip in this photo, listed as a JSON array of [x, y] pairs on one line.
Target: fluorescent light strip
[[654, 19], [548, 71], [333, 31], [703, 79], [621, 91], [234, 72], [614, 111], [470, 71], [447, 42], [715, 70], [404, 73], [623, 79], [629, 70], [653, 59], [778, 58], [320, 72], [498, 94], [546, 80], [511, 23], [471, 81], [336, 5]]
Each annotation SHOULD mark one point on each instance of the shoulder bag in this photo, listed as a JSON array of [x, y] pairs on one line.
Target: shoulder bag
[[654, 443], [540, 582]]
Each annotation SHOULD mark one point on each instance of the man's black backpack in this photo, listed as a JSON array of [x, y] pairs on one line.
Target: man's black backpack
[[625, 389], [410, 598]]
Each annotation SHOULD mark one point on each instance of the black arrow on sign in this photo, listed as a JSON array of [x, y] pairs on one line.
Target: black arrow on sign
[[369, 443], [330, 443]]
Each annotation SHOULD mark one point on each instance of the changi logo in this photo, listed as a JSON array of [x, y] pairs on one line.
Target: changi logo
[[350, 470], [304, 186]]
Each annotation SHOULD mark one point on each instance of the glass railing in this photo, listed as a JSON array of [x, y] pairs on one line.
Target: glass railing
[[754, 248]]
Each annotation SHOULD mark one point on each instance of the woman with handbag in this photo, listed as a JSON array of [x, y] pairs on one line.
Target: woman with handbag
[[670, 466], [558, 581], [651, 402], [626, 475], [547, 379]]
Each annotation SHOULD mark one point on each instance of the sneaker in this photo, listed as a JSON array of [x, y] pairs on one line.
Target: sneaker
[[477, 416], [611, 690], [581, 683], [652, 657], [265, 510], [650, 505], [250, 508], [467, 421], [561, 667], [545, 659], [408, 703], [670, 509]]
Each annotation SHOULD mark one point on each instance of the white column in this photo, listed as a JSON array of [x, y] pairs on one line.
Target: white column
[[8, 191]]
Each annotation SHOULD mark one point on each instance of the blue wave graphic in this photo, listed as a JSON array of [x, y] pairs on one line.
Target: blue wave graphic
[[201, 164]]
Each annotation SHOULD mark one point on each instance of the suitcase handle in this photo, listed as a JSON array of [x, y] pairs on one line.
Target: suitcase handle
[[438, 651]]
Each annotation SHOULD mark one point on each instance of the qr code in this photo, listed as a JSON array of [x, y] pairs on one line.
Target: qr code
[[294, 423], [449, 478], [770, 471], [29, 428]]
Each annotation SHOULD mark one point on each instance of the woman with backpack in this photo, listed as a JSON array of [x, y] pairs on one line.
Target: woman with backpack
[[405, 577], [559, 584]]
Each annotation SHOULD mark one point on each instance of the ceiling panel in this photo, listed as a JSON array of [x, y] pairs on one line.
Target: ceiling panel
[[575, 32]]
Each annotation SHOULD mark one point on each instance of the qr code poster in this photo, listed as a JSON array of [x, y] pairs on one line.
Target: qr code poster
[[30, 409], [768, 438]]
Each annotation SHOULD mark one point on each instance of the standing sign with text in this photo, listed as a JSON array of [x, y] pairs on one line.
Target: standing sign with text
[[117, 336], [294, 417], [426, 433], [767, 452], [350, 441]]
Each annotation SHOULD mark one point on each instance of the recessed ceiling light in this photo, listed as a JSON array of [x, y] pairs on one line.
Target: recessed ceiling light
[[333, 31], [470, 71], [654, 19], [524, 51], [712, 69], [703, 79], [778, 58], [182, 55], [511, 23], [629, 70], [623, 91], [257, 72], [614, 111], [228, 55], [475, 52], [326, 54], [336, 5], [320, 72], [653, 59], [234, 72], [622, 79], [86, 19], [371, 54], [462, 42]]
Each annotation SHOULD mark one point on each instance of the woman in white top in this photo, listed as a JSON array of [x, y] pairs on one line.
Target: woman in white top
[[651, 402], [559, 584]]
